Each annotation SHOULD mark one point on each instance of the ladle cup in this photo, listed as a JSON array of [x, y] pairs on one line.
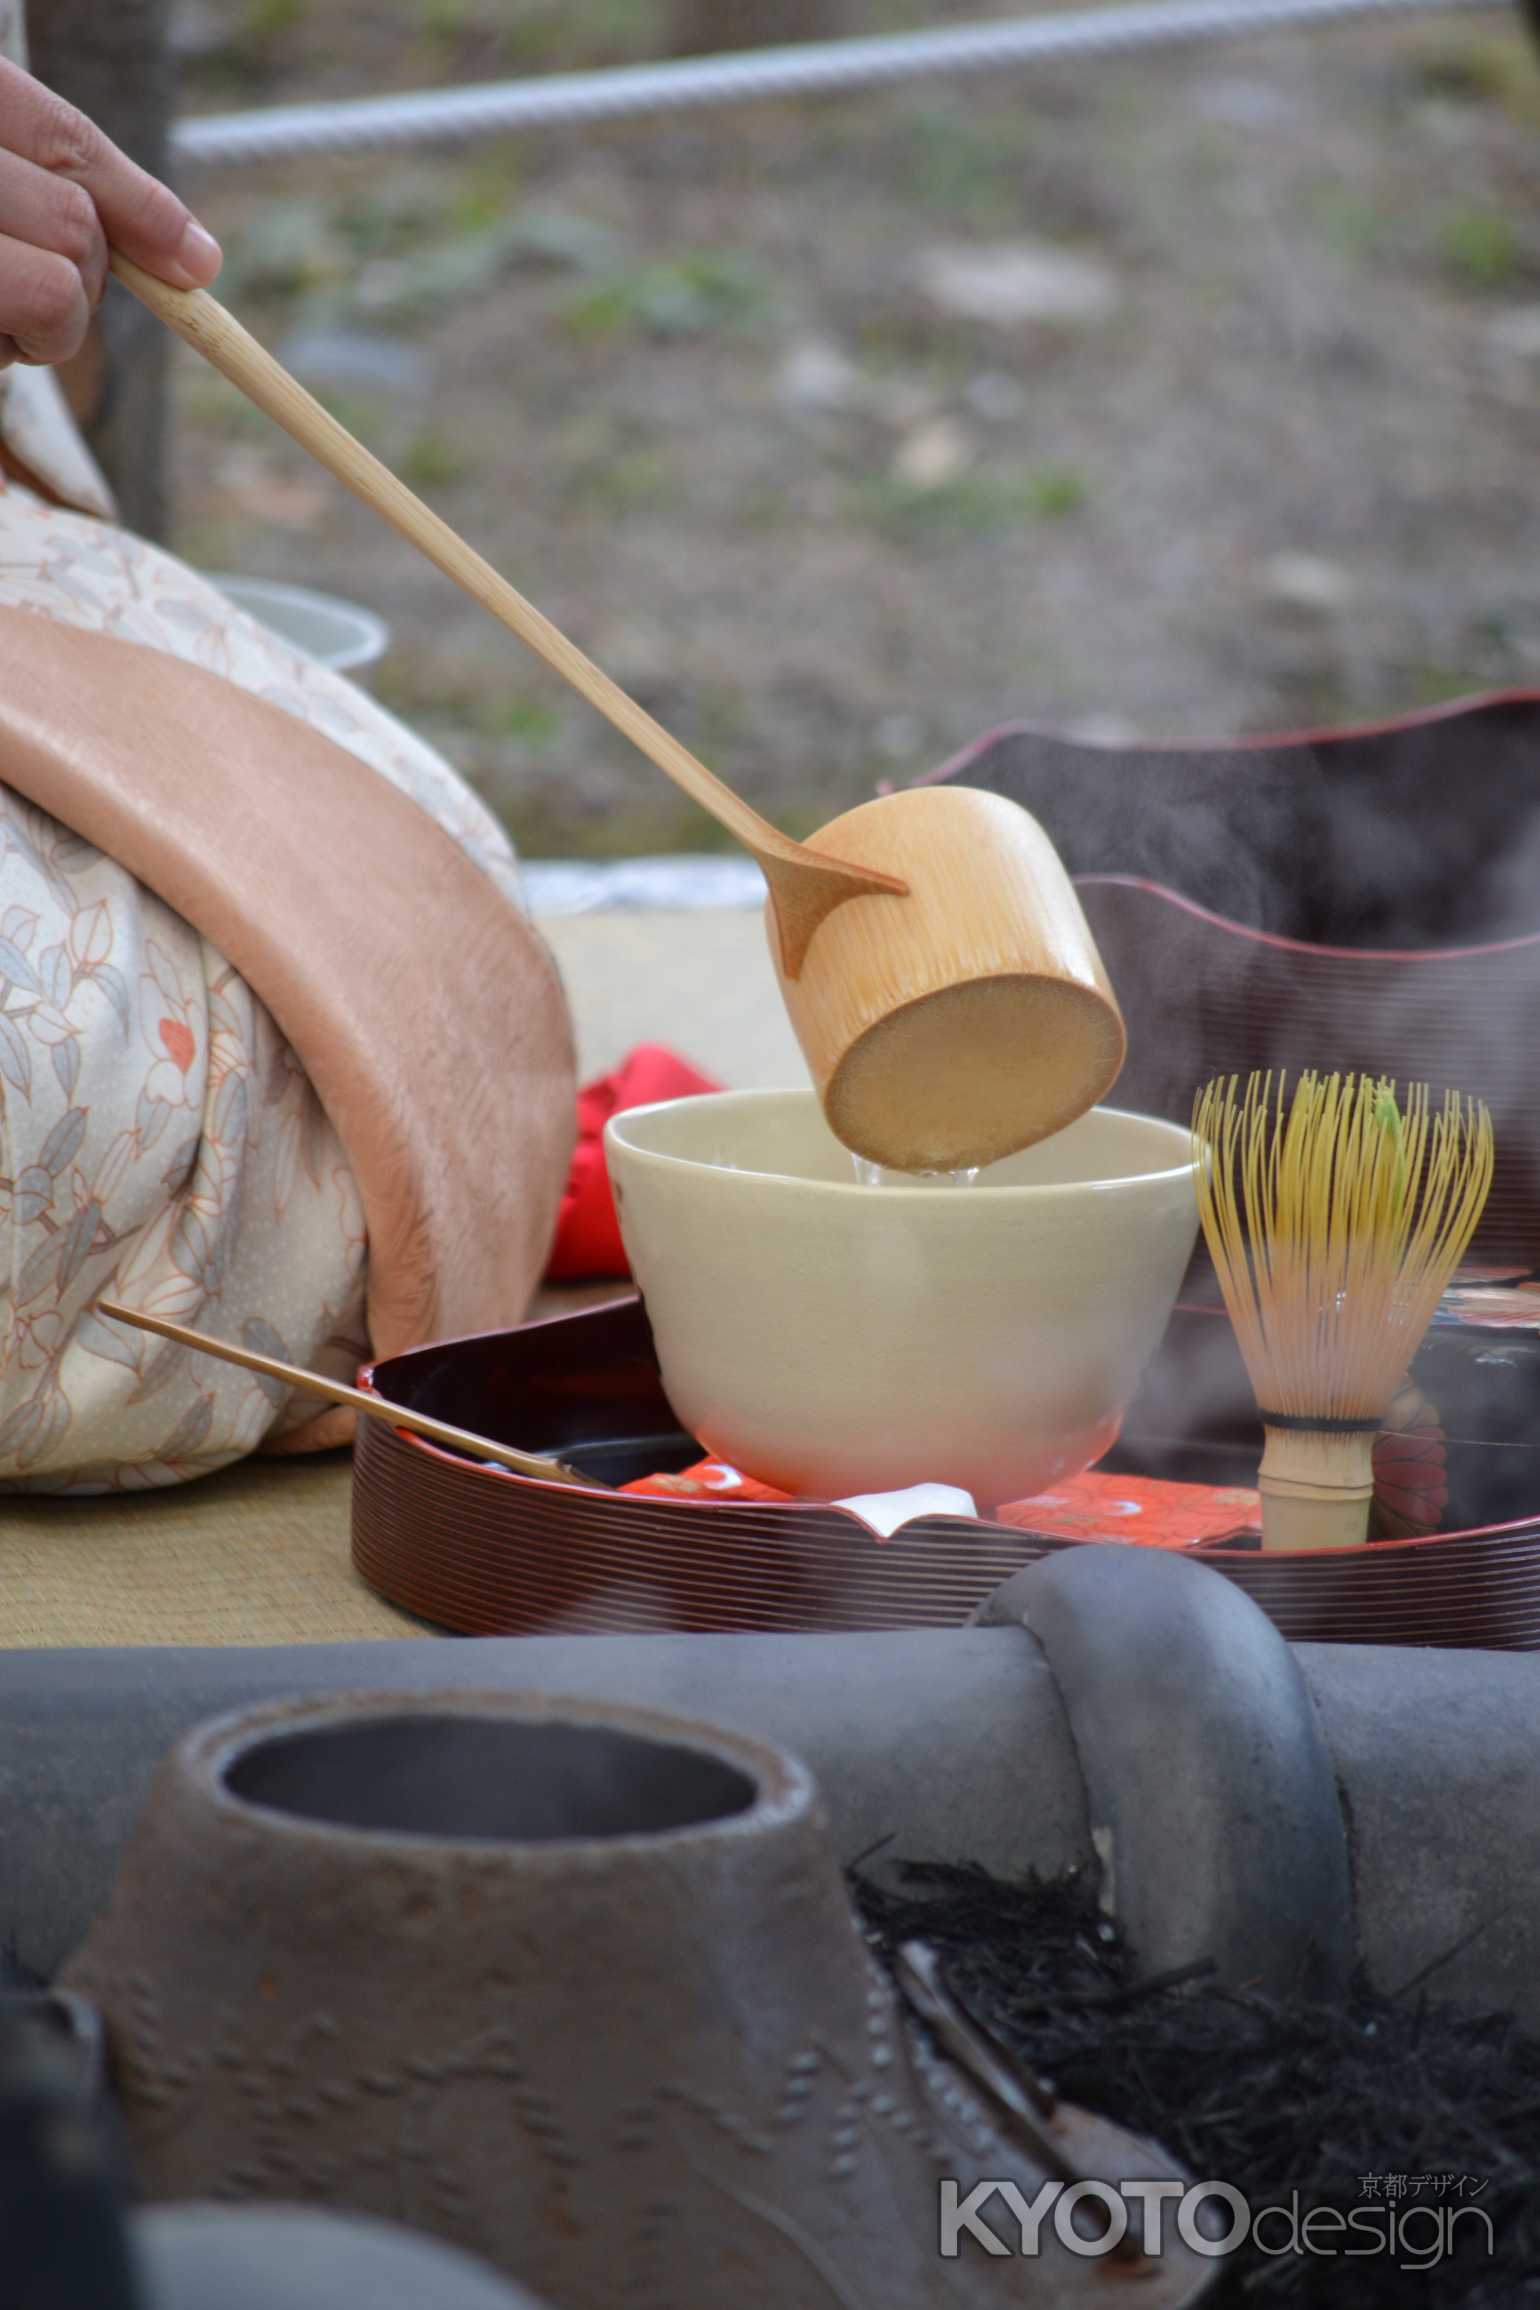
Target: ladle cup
[[958, 1012], [970, 1018]]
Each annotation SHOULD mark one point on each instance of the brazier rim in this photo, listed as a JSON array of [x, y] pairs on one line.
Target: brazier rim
[[784, 1794]]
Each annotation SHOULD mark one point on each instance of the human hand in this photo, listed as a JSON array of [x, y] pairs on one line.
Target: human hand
[[66, 193]]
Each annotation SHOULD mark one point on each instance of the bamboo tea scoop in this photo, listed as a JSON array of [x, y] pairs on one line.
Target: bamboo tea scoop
[[958, 1013], [357, 1399]]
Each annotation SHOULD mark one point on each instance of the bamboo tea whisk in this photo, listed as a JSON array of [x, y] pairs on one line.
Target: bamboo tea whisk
[[1335, 1219]]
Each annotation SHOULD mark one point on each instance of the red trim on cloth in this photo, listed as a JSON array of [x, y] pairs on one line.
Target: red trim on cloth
[[1148, 1511], [1144, 1510], [706, 1480]]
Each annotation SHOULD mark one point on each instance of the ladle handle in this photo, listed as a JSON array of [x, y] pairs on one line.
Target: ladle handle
[[356, 1399], [219, 337]]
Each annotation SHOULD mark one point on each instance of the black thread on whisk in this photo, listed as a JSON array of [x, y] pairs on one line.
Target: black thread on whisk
[[1308, 1422]]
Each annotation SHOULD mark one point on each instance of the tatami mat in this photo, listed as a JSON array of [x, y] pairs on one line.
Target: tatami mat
[[700, 981], [256, 1555]]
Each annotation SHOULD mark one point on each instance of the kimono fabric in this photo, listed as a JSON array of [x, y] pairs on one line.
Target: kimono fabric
[[383, 1160], [159, 1132]]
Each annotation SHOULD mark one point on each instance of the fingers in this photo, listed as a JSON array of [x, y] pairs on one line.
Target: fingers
[[52, 213], [44, 308], [141, 217]]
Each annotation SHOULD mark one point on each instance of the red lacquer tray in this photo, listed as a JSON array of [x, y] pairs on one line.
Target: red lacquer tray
[[482, 1552]]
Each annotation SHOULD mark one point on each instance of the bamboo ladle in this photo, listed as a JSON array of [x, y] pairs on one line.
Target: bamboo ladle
[[804, 886], [959, 1013], [535, 1464]]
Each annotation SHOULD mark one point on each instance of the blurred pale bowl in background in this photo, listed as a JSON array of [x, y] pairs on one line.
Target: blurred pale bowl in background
[[338, 634]]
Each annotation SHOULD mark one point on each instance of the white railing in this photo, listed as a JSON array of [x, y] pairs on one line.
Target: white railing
[[816, 68]]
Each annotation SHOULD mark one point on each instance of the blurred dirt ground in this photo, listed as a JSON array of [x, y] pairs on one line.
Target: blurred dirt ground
[[1187, 395]]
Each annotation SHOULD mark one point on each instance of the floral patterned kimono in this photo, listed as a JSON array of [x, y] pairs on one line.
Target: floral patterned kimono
[[161, 1141]]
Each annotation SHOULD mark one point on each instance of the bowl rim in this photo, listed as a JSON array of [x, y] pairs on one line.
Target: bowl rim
[[1045, 1190]]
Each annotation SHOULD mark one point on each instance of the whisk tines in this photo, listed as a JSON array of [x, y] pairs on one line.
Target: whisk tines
[[1335, 1217]]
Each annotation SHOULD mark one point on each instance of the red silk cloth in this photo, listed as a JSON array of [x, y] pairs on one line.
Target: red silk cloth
[[588, 1242]]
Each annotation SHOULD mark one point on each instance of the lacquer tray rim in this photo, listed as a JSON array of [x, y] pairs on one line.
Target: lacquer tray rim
[[1381, 1552]]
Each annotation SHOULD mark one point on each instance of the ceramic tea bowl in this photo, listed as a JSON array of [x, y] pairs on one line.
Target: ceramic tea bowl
[[575, 1987], [834, 1337]]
